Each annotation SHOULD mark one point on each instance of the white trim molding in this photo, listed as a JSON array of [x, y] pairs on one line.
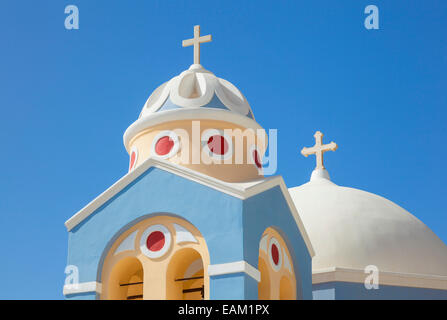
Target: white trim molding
[[187, 114], [207, 134], [166, 246], [340, 274], [234, 267], [133, 150], [275, 242], [241, 190], [175, 148], [82, 287]]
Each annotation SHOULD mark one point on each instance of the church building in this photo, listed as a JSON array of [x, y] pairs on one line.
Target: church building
[[195, 218]]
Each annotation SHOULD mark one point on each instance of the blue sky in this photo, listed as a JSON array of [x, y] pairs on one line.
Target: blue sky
[[66, 98]]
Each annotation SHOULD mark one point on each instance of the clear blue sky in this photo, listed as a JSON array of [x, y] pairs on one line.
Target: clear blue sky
[[66, 98]]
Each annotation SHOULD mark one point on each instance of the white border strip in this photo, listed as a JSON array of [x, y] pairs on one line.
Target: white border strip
[[186, 114], [338, 274], [175, 148], [82, 287], [239, 190], [234, 267]]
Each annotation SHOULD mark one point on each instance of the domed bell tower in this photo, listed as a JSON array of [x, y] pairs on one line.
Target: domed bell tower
[[200, 122], [194, 218]]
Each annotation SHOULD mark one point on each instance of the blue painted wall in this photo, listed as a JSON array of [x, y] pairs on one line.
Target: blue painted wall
[[270, 209], [232, 228], [218, 217], [357, 291], [237, 286], [83, 296]]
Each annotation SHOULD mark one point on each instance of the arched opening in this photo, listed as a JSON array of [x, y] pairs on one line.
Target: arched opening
[[264, 284], [185, 276], [126, 280], [276, 268], [286, 290]]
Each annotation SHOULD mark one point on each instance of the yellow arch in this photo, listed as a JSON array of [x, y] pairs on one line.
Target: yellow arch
[[278, 280], [185, 275]]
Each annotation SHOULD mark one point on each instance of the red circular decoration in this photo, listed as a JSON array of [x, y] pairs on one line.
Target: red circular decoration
[[257, 159], [164, 145], [218, 144], [275, 254], [133, 156], [155, 241]]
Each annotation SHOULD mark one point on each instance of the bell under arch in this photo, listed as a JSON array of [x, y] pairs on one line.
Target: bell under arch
[[126, 280], [185, 276]]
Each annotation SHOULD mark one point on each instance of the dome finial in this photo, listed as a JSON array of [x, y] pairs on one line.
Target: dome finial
[[196, 41], [318, 149]]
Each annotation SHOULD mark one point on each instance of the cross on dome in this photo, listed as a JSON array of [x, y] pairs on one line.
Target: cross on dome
[[196, 41], [318, 149]]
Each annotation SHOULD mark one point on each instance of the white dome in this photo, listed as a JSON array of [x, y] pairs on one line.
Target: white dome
[[195, 94], [195, 88], [350, 228]]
